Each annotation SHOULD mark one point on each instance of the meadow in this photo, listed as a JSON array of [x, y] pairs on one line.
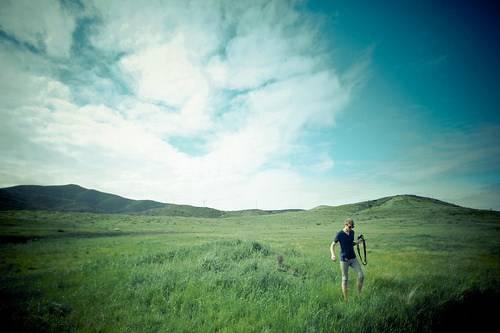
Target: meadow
[[431, 267]]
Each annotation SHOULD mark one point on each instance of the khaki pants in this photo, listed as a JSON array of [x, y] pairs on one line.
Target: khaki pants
[[344, 267]]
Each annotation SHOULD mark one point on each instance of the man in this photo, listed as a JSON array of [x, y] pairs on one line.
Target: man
[[347, 256]]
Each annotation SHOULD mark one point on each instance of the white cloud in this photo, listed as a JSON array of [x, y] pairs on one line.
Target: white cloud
[[245, 78], [21, 86], [124, 26], [165, 73], [270, 46], [42, 23], [324, 164], [131, 25]]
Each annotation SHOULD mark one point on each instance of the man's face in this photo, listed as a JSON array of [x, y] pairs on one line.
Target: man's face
[[350, 226]]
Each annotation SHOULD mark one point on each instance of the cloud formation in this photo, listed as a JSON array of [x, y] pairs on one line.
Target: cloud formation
[[44, 24], [107, 90]]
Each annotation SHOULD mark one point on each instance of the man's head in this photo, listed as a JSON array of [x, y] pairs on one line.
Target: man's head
[[349, 223]]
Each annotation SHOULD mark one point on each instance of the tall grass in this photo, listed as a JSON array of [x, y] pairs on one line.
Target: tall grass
[[248, 274]]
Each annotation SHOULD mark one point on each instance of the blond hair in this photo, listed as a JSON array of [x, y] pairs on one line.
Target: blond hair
[[348, 221]]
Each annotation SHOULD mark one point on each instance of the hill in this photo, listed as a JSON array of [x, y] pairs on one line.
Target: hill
[[69, 198], [74, 198], [393, 205], [193, 211], [182, 210], [253, 212]]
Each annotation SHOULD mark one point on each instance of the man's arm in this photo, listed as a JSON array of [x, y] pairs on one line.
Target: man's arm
[[332, 250]]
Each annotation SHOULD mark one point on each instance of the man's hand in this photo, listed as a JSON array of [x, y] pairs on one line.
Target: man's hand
[[334, 258]]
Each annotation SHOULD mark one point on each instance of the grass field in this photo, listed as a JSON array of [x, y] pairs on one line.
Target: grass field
[[430, 267]]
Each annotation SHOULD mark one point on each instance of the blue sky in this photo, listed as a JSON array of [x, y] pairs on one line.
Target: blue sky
[[251, 104], [433, 80]]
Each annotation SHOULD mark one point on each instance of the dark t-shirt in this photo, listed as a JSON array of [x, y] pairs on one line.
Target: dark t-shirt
[[346, 245]]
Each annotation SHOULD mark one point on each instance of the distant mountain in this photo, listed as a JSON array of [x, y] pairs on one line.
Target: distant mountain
[[393, 204], [75, 198], [69, 198]]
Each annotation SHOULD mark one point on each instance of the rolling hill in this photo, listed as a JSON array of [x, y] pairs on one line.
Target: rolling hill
[[398, 207], [396, 202], [69, 198], [193, 211], [74, 198]]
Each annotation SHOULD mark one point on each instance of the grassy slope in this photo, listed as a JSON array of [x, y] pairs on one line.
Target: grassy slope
[[74, 198], [190, 274], [183, 210], [69, 198], [206, 212]]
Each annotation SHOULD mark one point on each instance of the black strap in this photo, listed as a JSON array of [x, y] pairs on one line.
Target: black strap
[[364, 262]]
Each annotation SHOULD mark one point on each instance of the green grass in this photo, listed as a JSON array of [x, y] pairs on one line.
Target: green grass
[[429, 266]]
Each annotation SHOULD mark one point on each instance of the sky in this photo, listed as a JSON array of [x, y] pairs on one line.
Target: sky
[[253, 104]]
